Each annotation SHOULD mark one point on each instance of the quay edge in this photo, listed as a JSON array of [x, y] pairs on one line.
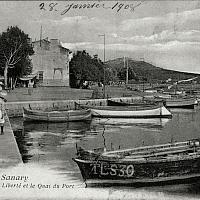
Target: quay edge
[[9, 151], [15, 109]]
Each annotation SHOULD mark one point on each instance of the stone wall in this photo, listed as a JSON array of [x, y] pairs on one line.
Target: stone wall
[[16, 109]]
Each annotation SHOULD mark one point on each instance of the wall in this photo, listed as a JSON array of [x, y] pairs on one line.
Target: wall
[[48, 57], [16, 109]]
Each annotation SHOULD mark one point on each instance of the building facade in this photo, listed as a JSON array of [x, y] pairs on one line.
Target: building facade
[[51, 62]]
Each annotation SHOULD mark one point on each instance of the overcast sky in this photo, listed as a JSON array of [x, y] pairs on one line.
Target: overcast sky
[[165, 33]]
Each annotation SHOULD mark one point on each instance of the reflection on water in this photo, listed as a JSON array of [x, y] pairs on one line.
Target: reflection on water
[[51, 147], [154, 123]]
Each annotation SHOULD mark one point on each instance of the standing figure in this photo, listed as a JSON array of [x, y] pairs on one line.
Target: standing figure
[[2, 108]]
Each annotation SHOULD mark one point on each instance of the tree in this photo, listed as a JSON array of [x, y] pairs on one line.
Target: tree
[[122, 73], [15, 49], [85, 68]]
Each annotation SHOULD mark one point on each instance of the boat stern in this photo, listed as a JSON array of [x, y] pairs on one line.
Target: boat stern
[[165, 113]]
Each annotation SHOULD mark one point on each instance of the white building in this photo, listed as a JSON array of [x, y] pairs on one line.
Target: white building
[[51, 62]]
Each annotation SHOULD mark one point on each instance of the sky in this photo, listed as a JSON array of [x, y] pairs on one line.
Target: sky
[[163, 33]]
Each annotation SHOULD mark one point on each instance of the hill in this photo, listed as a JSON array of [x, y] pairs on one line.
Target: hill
[[149, 72]]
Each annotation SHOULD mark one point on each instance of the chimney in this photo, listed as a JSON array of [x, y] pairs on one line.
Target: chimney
[[55, 42]]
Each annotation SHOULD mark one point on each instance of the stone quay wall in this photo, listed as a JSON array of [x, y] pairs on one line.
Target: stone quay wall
[[15, 109]]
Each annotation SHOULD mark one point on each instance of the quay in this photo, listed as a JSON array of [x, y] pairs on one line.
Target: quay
[[49, 98], [15, 109], [9, 151]]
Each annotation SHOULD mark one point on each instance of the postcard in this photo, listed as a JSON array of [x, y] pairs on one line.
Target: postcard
[[99, 100]]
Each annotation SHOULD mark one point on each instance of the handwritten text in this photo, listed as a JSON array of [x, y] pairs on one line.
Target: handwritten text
[[117, 6]]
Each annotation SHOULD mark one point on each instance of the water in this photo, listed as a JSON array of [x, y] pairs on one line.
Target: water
[[47, 151]]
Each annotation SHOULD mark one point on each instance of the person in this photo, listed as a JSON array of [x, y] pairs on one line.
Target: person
[[30, 87], [2, 108]]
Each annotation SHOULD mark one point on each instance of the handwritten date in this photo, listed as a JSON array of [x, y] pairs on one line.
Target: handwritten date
[[117, 6]]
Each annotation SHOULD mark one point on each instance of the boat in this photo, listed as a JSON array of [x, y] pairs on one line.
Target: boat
[[176, 102], [155, 111], [56, 116], [171, 163], [181, 103], [138, 103]]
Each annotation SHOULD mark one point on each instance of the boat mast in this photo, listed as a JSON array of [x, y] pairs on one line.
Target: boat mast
[[127, 73], [40, 35], [104, 59]]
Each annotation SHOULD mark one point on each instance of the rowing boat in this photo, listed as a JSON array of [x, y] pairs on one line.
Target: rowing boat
[[155, 111], [169, 163], [139, 103], [180, 102], [57, 116]]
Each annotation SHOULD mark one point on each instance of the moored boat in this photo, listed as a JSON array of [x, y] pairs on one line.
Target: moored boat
[[57, 116], [155, 111], [170, 163], [139, 103], [181, 103]]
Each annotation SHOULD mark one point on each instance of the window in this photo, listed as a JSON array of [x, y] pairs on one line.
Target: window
[[41, 73]]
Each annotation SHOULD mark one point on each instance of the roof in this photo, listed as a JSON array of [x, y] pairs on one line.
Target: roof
[[47, 41], [43, 40]]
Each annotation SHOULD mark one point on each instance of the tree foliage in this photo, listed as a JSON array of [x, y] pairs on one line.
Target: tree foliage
[[122, 73], [15, 49], [85, 68]]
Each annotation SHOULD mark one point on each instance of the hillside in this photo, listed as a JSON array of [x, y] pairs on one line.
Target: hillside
[[148, 71]]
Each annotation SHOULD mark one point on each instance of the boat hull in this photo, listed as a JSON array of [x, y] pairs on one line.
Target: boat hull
[[145, 183], [188, 103], [130, 112], [144, 103], [180, 104], [147, 173], [57, 116]]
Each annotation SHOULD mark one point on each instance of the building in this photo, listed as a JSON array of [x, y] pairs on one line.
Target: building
[[51, 62]]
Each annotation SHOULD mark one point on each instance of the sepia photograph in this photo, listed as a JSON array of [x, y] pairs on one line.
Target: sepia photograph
[[100, 100]]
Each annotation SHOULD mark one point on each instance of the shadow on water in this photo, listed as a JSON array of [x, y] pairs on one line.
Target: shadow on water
[[41, 138]]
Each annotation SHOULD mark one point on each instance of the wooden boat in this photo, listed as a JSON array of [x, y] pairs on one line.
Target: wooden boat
[[57, 116], [181, 102], [155, 111], [140, 103], [142, 166]]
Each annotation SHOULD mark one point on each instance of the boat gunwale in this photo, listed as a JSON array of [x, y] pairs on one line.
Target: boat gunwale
[[149, 159], [124, 108], [185, 143], [56, 111]]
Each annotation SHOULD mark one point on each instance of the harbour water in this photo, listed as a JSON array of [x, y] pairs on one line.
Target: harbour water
[[47, 151]]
